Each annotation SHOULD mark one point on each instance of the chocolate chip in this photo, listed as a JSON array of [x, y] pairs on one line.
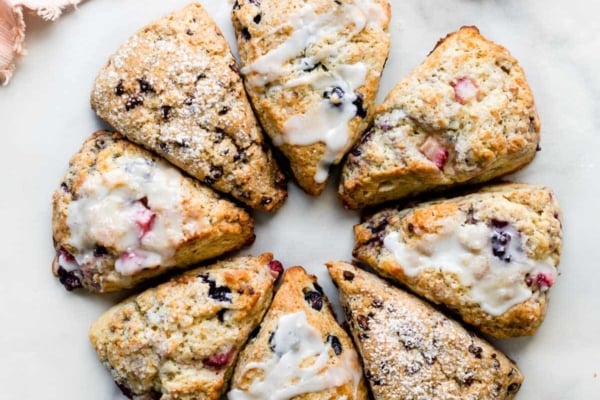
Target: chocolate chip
[[335, 343], [257, 19], [145, 86], [246, 33], [133, 101], [165, 111], [363, 322], [476, 351], [360, 111], [314, 299], [349, 276], [190, 32], [69, 279], [120, 89]]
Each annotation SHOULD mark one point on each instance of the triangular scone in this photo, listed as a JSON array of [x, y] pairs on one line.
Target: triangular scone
[[181, 338], [312, 71], [491, 256], [123, 215], [412, 351], [174, 87], [465, 115], [300, 351]]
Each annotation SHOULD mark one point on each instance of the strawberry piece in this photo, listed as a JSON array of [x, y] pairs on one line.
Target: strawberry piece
[[219, 360], [276, 269], [434, 151], [465, 90], [144, 217], [544, 281]]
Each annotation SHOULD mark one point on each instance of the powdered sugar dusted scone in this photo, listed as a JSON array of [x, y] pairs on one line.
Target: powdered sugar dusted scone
[[180, 339], [312, 71], [174, 87], [300, 351], [491, 256], [465, 115], [122, 215], [412, 351]]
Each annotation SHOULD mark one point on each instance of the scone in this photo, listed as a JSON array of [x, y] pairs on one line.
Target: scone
[[312, 70], [174, 87], [180, 340], [300, 351], [123, 215], [466, 115], [490, 256], [411, 351]]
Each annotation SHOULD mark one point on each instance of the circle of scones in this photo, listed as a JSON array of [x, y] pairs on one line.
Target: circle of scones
[[490, 256], [123, 215], [466, 115], [174, 87], [180, 340], [412, 351], [318, 63]]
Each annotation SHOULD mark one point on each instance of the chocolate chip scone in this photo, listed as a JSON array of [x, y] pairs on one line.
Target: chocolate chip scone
[[174, 87], [411, 351], [300, 351], [312, 71], [179, 341], [123, 215], [466, 115], [490, 256]]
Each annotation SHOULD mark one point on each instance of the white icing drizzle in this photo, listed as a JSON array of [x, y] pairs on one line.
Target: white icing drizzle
[[466, 250], [316, 34], [109, 210], [290, 372]]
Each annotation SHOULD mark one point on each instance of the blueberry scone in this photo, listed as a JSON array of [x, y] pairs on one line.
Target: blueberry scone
[[312, 71], [180, 340], [122, 215], [174, 87], [411, 351], [300, 351], [466, 115], [490, 256]]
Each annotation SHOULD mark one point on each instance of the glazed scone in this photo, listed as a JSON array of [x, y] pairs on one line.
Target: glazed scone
[[174, 87], [466, 115], [491, 256], [411, 351], [312, 71], [300, 351], [179, 341], [123, 215]]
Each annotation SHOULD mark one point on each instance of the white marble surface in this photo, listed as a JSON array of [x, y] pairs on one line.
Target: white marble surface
[[45, 116]]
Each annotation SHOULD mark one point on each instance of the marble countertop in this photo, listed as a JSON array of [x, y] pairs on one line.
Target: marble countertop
[[45, 116]]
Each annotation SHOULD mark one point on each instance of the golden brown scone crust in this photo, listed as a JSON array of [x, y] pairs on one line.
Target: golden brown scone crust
[[466, 115], [261, 27], [412, 351], [174, 87], [300, 291], [532, 210], [211, 226], [181, 338]]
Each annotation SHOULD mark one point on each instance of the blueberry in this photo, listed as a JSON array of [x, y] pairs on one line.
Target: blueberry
[[335, 343], [315, 299], [120, 89], [360, 111], [501, 241], [165, 111], [133, 101], [100, 251], [69, 279], [218, 293], [348, 276], [145, 86], [335, 96], [125, 390], [246, 33], [257, 19]]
